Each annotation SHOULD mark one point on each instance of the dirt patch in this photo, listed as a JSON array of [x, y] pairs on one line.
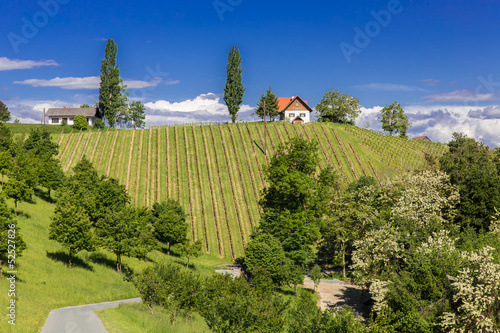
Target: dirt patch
[[333, 294]]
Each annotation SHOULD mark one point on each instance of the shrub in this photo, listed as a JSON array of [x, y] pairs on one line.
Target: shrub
[[98, 123], [80, 122]]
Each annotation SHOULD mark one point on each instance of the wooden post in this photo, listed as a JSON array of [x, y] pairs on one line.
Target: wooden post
[[265, 130]]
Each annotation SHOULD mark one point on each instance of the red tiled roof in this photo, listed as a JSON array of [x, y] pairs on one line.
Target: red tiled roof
[[421, 138], [284, 102]]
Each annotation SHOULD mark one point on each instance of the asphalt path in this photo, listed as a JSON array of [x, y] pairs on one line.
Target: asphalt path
[[81, 318]]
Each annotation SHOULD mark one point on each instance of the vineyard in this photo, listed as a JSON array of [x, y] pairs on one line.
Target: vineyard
[[216, 171]]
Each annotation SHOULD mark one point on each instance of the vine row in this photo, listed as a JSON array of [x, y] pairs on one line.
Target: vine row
[[68, 164], [345, 154], [212, 196], [222, 194], [130, 153], [241, 176], [189, 186], [357, 158], [231, 182], [198, 172]]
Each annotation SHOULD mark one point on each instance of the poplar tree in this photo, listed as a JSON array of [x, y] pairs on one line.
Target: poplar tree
[[234, 90], [111, 97]]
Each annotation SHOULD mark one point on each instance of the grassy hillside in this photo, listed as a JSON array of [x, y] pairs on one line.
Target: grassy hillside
[[44, 281], [216, 171]]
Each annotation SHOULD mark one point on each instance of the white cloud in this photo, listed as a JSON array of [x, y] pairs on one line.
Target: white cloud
[[203, 108], [430, 82], [464, 95], [89, 82], [440, 122], [11, 64], [387, 87]]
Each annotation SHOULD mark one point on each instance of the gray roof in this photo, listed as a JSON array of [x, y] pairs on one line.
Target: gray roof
[[71, 112]]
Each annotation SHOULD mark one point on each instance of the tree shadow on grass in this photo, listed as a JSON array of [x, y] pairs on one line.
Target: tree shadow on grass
[[64, 258], [44, 195], [20, 213], [164, 250], [101, 259]]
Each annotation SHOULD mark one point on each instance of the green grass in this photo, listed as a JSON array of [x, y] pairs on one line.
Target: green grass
[[137, 318], [45, 282], [179, 161]]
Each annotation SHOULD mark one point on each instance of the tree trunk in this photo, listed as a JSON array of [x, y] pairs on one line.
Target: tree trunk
[[118, 264], [187, 265], [49, 193], [168, 251], [343, 257], [1, 271], [70, 256]]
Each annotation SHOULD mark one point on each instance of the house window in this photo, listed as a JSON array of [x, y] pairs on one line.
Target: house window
[[292, 115], [55, 120], [302, 115], [71, 119], [297, 104]]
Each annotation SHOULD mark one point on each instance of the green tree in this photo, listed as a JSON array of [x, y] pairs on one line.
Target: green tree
[[393, 119], [40, 143], [190, 250], [50, 174], [6, 163], [18, 191], [85, 106], [470, 166], [111, 87], [4, 113], [272, 106], [137, 114], [234, 306], [338, 107], [234, 90], [265, 255], [120, 232], [71, 227], [80, 122], [169, 221], [315, 274], [5, 137], [289, 201], [9, 230]]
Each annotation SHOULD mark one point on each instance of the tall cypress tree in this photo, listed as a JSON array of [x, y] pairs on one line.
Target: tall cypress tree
[[111, 89], [234, 90]]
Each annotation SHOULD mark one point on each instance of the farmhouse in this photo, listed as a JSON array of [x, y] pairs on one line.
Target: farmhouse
[[58, 115], [295, 110]]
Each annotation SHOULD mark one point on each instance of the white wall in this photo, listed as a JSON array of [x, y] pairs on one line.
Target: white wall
[[296, 113]]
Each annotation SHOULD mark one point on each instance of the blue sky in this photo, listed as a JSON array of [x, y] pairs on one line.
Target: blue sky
[[439, 59]]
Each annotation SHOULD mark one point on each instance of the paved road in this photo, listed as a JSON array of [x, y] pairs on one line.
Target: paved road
[[80, 319]]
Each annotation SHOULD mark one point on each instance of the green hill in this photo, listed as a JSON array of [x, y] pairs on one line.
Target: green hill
[[216, 171]]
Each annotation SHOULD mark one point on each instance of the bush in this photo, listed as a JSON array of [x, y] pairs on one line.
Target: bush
[[64, 122], [98, 123], [80, 122]]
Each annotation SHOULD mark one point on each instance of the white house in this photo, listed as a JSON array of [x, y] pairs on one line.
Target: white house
[[295, 110], [58, 115]]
